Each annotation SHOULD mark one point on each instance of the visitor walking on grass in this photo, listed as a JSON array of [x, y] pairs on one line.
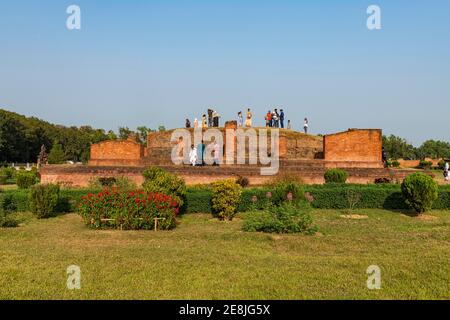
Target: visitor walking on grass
[[193, 156], [446, 174], [305, 125]]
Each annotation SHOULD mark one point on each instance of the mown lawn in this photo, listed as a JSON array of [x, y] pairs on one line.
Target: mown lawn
[[207, 259]]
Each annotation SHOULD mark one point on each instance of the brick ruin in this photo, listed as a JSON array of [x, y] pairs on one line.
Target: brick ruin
[[359, 151]]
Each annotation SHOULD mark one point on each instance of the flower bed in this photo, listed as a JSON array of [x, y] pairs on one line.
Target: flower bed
[[129, 210]]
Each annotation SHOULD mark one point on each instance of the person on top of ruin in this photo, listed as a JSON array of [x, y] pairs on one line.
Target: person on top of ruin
[[195, 123], [276, 118], [305, 125], [289, 127], [268, 119], [188, 123], [240, 121], [282, 118], [210, 117], [216, 117], [193, 155], [216, 153], [201, 153], [248, 121], [204, 123]]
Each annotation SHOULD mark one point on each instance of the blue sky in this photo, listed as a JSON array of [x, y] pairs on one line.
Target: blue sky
[[158, 62]]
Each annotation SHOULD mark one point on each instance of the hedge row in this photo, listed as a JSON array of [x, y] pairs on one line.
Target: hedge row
[[327, 196]]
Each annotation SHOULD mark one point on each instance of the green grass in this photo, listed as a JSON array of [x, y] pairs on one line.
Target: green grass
[[207, 259]]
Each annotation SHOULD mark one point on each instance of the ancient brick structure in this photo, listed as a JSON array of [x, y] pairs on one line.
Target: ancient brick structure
[[354, 148], [117, 152], [308, 156]]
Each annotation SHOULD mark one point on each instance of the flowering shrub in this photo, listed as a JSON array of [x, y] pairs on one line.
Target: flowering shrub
[[226, 195], [129, 210]]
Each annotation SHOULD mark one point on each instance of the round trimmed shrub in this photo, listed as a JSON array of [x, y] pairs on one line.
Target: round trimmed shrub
[[44, 200], [335, 175], [284, 190], [419, 191], [26, 179], [226, 195], [161, 181]]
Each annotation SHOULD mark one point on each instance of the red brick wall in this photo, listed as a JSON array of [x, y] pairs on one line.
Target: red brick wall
[[119, 152], [354, 145]]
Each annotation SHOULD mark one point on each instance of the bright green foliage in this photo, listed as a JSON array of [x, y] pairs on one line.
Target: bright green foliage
[[56, 155], [226, 195], [44, 200], [283, 189], [26, 179], [335, 176], [419, 191], [289, 217], [159, 180]]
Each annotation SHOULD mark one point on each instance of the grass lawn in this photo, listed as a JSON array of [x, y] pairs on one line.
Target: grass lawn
[[207, 259]]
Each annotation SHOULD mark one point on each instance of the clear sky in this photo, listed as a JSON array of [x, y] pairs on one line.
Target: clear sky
[[159, 62]]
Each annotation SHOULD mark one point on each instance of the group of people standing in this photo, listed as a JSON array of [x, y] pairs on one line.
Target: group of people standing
[[197, 154], [212, 120], [274, 119]]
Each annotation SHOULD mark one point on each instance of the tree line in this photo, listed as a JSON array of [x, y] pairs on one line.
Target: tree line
[[398, 148], [21, 139]]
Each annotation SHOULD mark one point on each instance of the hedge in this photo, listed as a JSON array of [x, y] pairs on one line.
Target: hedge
[[327, 196]]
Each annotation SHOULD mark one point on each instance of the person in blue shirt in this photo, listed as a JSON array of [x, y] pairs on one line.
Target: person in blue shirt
[[282, 118], [200, 153]]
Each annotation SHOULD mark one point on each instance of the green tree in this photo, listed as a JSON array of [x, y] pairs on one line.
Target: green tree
[[434, 149], [124, 133], [56, 155], [398, 148]]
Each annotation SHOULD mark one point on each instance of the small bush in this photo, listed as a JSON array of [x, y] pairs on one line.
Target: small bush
[[226, 195], [284, 177], [285, 190], [419, 191], [335, 176], [7, 222], [44, 200], [161, 181], [26, 179], [6, 174], [426, 165], [395, 164], [287, 218], [242, 181]]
